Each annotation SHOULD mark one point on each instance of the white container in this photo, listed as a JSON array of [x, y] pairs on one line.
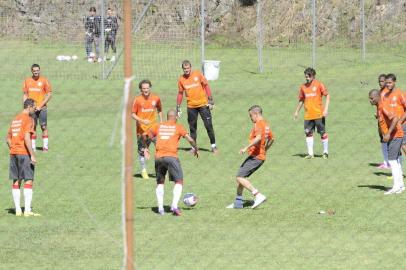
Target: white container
[[211, 69]]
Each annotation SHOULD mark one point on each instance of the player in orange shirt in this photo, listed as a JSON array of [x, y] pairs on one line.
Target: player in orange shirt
[[146, 106], [199, 101], [39, 89], [311, 95], [384, 145], [22, 158], [396, 99], [167, 136], [260, 140], [392, 134]]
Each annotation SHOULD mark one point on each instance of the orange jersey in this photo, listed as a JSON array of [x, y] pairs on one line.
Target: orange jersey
[[193, 86], [396, 99], [36, 89], [260, 127], [146, 108], [167, 138], [385, 116], [311, 94], [21, 124]]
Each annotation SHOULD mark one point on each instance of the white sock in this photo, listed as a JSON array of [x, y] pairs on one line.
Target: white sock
[[16, 197], [400, 159], [238, 200], [396, 174], [255, 192], [27, 197], [213, 145], [400, 182], [384, 147], [159, 191], [33, 145], [143, 163], [45, 142], [325, 145], [177, 192], [309, 142]]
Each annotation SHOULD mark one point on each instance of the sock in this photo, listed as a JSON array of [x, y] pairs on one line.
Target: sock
[[255, 192], [309, 142], [213, 145], [401, 183], [396, 174], [45, 142], [16, 197], [384, 147], [27, 197], [142, 162], [177, 192], [325, 144], [159, 191], [33, 139], [238, 200]]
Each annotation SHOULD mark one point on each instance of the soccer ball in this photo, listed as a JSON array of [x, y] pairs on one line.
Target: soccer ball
[[74, 57], [190, 199]]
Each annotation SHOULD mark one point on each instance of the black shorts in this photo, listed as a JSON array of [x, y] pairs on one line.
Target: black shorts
[[319, 123], [249, 166], [394, 147], [41, 117], [168, 164], [21, 167], [140, 144]]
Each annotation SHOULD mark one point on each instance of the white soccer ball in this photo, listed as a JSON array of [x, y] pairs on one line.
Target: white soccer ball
[[190, 199], [67, 58], [60, 58], [74, 57]]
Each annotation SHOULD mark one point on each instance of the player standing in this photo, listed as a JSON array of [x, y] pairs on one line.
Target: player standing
[[144, 111], [311, 94], [110, 29], [92, 29], [392, 133], [199, 101], [384, 145], [22, 158], [260, 139], [167, 136], [39, 89]]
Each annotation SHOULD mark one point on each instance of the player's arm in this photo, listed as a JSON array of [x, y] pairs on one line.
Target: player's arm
[[298, 107], [392, 127], [139, 119], [47, 97], [8, 138], [179, 99], [28, 145], [325, 112], [269, 143], [256, 140], [193, 144], [159, 110]]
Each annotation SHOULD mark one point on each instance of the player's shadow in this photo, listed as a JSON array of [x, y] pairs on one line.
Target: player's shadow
[[378, 187], [248, 203], [373, 164], [303, 155], [40, 148], [151, 175], [383, 173], [189, 148], [12, 211], [167, 208]]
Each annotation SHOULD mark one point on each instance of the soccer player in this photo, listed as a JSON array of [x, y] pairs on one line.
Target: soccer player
[[92, 28], [392, 134], [199, 101], [22, 158], [144, 111], [260, 140], [39, 89], [384, 145], [311, 95], [167, 135], [110, 29], [395, 98]]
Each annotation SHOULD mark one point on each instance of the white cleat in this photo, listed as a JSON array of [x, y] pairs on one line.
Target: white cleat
[[393, 191], [113, 58], [258, 200]]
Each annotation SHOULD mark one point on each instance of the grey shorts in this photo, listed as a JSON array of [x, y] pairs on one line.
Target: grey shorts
[[404, 133], [41, 117], [168, 164], [141, 146], [249, 166], [21, 167], [394, 147], [320, 124]]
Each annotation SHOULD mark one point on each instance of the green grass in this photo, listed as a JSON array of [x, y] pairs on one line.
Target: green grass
[[77, 188]]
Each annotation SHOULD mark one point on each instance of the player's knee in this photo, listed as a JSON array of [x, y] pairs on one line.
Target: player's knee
[[179, 182], [308, 133], [161, 181], [324, 136], [43, 127]]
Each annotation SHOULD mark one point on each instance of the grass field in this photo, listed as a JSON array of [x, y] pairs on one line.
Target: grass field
[[77, 188]]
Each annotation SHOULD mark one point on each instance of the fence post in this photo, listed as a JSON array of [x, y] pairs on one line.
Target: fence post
[[314, 33], [202, 32], [260, 37], [363, 48]]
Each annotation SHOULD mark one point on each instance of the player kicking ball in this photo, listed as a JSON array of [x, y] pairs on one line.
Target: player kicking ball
[[260, 139]]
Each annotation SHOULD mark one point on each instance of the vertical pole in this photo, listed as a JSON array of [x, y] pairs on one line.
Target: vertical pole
[[102, 38], [260, 38], [128, 142], [314, 33], [363, 29], [202, 32]]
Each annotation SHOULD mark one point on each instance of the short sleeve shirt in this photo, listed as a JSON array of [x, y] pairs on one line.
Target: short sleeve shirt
[[193, 87], [311, 94], [21, 124], [260, 127], [167, 136], [146, 108], [37, 89]]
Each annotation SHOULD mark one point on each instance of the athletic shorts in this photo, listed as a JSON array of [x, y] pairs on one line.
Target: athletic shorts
[[170, 165], [404, 133], [141, 144], [394, 147], [41, 117], [21, 167], [319, 123], [249, 166]]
